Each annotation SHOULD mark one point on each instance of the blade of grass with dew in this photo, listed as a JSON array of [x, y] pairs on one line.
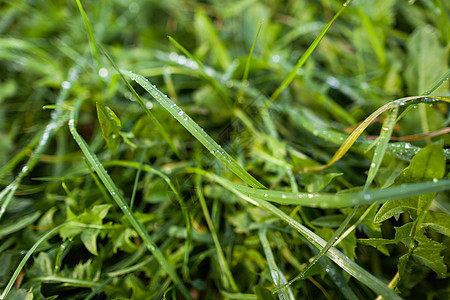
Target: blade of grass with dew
[[95, 46], [386, 132], [113, 190], [196, 131], [247, 66], [306, 55], [229, 282], [278, 278], [152, 118], [90, 33], [334, 254], [52, 126], [347, 199], [306, 120], [27, 256]]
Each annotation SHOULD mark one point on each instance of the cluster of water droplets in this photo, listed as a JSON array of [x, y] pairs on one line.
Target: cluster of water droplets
[[183, 60]]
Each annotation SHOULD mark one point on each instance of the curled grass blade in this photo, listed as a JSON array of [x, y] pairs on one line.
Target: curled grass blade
[[115, 194], [190, 125], [360, 129], [334, 254]]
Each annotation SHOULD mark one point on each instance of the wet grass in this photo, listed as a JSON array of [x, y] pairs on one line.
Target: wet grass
[[238, 150]]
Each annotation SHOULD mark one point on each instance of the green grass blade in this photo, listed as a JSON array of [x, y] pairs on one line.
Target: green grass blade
[[229, 281], [360, 129], [44, 138], [386, 131], [247, 66], [90, 32], [214, 148], [306, 55], [114, 191], [334, 254], [343, 199], [284, 292], [27, 256], [380, 150]]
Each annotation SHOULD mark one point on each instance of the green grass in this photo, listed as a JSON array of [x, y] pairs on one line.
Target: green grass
[[235, 149]]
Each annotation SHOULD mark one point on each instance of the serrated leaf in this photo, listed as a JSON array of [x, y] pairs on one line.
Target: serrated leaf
[[122, 239], [89, 239], [395, 207], [110, 125], [427, 165], [428, 253], [401, 235], [437, 221]]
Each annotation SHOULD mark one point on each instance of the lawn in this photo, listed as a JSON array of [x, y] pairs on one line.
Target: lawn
[[236, 149]]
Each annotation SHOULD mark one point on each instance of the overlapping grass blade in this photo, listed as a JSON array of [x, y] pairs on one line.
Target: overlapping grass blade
[[95, 46], [44, 138], [214, 148], [229, 281], [115, 194], [27, 256], [334, 254], [386, 132]]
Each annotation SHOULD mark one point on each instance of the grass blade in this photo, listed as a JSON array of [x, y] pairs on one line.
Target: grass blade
[[247, 66], [27, 256], [114, 191], [334, 254], [214, 148], [347, 199], [305, 56], [277, 276]]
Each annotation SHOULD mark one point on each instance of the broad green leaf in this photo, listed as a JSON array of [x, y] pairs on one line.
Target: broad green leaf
[[121, 238], [89, 239], [428, 164], [110, 125], [402, 235], [395, 208], [315, 182], [428, 253], [437, 221]]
